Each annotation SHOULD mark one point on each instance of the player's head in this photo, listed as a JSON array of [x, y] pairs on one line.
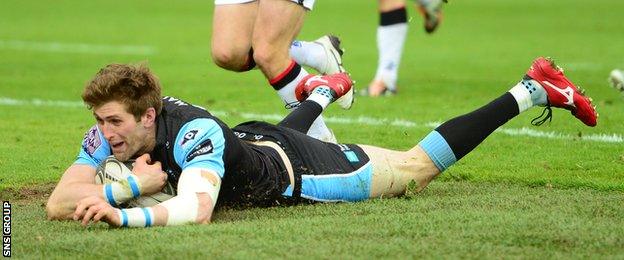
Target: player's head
[[135, 86], [125, 100]]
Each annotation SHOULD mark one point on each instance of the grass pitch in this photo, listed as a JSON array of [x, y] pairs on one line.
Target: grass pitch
[[518, 195]]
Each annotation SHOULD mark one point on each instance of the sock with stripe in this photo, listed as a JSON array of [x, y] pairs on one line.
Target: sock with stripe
[[391, 35], [285, 84], [455, 138]]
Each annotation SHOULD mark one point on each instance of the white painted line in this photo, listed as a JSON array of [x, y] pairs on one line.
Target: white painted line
[[77, 47], [40, 103], [361, 120]]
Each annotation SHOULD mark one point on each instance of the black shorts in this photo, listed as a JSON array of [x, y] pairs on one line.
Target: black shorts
[[323, 171]]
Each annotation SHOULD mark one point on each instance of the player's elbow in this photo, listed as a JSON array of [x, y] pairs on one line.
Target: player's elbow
[[59, 209], [54, 210]]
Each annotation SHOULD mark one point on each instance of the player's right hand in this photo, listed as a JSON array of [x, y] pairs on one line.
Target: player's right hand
[[152, 179]]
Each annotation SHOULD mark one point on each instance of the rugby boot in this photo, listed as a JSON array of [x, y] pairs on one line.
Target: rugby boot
[[340, 85], [377, 88], [333, 53], [616, 79], [561, 92], [431, 10]]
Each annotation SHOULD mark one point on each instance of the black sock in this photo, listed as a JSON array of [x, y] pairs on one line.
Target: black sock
[[465, 132], [455, 138], [302, 117]]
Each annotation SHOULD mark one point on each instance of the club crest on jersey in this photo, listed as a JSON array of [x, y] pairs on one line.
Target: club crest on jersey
[[190, 135], [91, 140], [204, 148]]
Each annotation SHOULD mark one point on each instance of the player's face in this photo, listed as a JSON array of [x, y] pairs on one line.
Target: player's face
[[126, 136]]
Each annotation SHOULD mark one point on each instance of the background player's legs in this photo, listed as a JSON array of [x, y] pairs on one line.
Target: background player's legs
[[277, 24], [232, 29], [391, 35]]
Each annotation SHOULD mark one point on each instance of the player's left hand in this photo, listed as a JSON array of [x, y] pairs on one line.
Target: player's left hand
[[94, 209]]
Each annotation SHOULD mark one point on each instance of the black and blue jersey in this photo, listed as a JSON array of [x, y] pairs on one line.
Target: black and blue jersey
[[189, 136]]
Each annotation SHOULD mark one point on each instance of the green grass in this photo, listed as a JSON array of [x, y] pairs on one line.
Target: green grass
[[449, 219], [514, 196]]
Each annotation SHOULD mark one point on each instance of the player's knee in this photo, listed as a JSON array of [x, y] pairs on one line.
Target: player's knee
[[265, 56], [229, 59]]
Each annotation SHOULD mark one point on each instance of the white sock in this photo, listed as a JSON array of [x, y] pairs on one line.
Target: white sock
[[287, 93], [309, 54], [528, 93], [318, 129], [390, 40], [322, 96]]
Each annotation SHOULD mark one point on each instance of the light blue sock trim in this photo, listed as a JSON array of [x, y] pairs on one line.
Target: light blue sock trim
[[108, 190], [438, 150]]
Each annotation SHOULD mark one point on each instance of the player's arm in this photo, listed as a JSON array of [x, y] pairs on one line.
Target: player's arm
[[78, 181], [197, 195], [198, 150]]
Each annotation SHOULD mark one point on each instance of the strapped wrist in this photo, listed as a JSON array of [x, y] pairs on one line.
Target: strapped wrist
[[136, 217], [121, 191]]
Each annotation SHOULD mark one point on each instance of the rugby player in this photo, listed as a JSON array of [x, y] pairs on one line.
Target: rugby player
[[257, 163], [391, 34]]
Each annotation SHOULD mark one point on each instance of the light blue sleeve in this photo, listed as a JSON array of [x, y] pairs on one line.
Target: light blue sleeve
[[94, 149], [200, 143]]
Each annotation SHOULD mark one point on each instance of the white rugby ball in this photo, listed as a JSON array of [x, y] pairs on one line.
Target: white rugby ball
[[111, 170]]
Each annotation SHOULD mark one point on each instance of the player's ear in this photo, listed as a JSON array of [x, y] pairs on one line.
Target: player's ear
[[149, 117]]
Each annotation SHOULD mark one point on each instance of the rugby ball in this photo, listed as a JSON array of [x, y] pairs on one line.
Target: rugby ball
[[111, 170]]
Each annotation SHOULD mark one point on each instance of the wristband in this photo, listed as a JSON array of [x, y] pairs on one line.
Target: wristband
[[121, 191]]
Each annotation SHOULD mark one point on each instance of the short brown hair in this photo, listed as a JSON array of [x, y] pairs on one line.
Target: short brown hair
[[132, 85]]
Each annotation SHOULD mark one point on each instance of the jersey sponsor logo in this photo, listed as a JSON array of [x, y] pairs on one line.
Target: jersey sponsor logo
[[190, 135], [204, 148], [91, 141]]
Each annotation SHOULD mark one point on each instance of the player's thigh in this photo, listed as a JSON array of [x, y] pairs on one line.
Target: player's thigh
[[277, 24], [389, 5], [232, 30], [394, 170]]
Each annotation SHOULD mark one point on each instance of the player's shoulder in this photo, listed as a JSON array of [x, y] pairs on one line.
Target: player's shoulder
[[95, 148], [93, 140], [199, 130]]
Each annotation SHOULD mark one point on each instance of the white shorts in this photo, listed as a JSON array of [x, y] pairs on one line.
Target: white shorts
[[307, 4]]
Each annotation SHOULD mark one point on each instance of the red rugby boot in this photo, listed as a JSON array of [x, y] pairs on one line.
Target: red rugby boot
[[561, 92], [340, 84]]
